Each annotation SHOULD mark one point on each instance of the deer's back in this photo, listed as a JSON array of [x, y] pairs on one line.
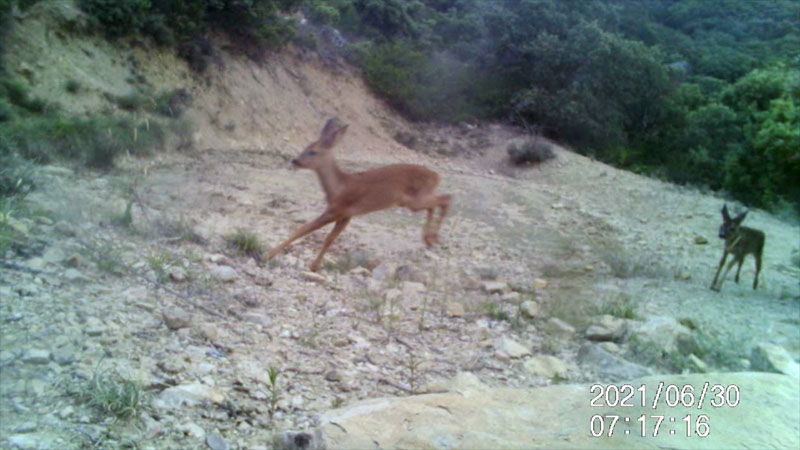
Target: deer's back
[[748, 240], [386, 186]]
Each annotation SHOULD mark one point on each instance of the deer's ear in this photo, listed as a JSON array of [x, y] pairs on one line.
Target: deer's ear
[[740, 217], [725, 212]]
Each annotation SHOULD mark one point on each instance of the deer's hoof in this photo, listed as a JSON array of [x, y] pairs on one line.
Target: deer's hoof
[[715, 288], [431, 239]]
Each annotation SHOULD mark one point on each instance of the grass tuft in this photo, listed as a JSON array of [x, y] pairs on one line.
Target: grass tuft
[[245, 243]]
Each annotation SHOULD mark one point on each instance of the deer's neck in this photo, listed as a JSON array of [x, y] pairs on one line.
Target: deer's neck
[[332, 180]]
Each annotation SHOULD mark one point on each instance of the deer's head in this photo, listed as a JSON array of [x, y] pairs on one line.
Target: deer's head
[[729, 226], [319, 152]]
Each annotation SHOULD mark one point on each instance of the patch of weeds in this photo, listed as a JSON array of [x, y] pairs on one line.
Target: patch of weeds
[[160, 263], [620, 306], [135, 101], [626, 264], [348, 262], [106, 257], [17, 94], [112, 395], [125, 219], [494, 312], [533, 151], [94, 142], [245, 243], [173, 103], [72, 86], [16, 176], [12, 238], [413, 373], [180, 229], [715, 348], [274, 390]]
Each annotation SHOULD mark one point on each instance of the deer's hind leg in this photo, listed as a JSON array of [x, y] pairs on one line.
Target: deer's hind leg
[[758, 271], [739, 269], [430, 203]]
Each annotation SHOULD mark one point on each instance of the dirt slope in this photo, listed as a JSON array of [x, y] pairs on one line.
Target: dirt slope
[[410, 318]]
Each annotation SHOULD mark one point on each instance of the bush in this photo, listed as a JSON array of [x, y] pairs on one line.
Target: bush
[[245, 243], [72, 86], [93, 142], [533, 151], [15, 175]]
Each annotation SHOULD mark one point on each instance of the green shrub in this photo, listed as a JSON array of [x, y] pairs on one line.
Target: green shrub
[[533, 151], [114, 395], [94, 142], [15, 175], [245, 243], [72, 86]]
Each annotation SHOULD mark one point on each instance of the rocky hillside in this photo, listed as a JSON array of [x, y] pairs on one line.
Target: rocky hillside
[[148, 279]]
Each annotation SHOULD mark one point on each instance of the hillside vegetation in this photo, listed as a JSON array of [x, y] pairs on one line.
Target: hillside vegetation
[[703, 92], [145, 152]]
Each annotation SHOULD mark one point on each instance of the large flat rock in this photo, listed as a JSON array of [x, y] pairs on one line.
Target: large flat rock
[[474, 416]]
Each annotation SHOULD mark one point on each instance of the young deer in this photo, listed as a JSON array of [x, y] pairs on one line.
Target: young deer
[[352, 194], [739, 241]]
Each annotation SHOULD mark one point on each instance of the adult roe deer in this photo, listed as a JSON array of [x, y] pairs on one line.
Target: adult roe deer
[[352, 194], [739, 241]]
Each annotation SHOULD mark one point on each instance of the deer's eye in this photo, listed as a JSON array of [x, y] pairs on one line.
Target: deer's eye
[[312, 153]]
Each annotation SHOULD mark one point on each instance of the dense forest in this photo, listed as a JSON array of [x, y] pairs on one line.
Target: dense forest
[[701, 92]]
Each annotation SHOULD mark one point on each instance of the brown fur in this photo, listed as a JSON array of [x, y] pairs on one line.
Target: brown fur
[[351, 194], [739, 241]]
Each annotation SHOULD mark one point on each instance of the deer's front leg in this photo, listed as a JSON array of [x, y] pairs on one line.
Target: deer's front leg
[[716, 275], [326, 218], [337, 230]]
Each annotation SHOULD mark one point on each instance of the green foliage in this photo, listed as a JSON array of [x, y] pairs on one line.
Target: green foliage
[[255, 23], [113, 395], [245, 243], [93, 142], [16, 175], [533, 151]]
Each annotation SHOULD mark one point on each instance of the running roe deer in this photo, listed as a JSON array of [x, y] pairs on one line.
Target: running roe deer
[[352, 194], [739, 241]]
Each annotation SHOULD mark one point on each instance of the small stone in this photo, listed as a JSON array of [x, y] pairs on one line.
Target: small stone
[[529, 308], [767, 357], [64, 356], [66, 412], [558, 327], [540, 283], [494, 287], [610, 347], [698, 364], [505, 346], [313, 277], [226, 274], [36, 356], [208, 331], [73, 274], [27, 427], [297, 402], [192, 430], [94, 327], [455, 309], [700, 240], [175, 319], [216, 442], [333, 375], [546, 366], [177, 274]]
